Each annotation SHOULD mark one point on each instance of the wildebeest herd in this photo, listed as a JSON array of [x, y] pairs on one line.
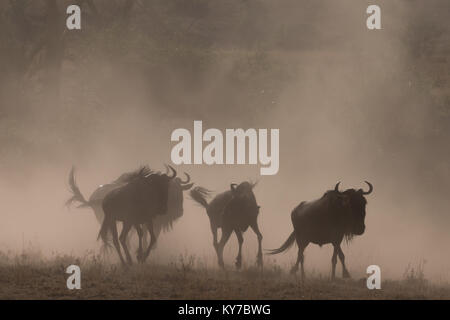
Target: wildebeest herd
[[150, 201]]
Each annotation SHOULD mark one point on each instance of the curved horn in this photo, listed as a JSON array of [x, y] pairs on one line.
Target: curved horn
[[370, 188], [187, 186], [167, 169], [187, 180], [233, 186], [174, 172], [336, 188]]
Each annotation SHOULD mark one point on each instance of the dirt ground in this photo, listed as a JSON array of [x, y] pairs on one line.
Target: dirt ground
[[22, 278]]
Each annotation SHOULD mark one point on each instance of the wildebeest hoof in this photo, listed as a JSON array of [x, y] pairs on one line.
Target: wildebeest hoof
[[345, 274]]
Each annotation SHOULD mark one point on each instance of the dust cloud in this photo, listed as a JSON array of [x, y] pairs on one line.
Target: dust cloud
[[351, 105]]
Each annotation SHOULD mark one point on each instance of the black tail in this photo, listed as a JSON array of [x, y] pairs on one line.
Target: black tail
[[286, 245], [76, 193], [199, 195]]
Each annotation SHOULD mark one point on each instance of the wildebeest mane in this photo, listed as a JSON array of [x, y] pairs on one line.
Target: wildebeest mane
[[128, 177]]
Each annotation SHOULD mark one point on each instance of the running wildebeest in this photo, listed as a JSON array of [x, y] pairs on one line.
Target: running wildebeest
[[135, 203], [328, 220], [233, 211], [161, 222]]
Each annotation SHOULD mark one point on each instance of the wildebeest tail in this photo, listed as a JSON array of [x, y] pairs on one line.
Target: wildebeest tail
[[76, 193], [199, 195], [286, 245]]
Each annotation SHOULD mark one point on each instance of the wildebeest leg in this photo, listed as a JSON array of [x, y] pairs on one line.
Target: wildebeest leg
[[300, 259], [334, 261], [152, 239], [214, 232], [123, 240], [259, 256], [240, 239], [144, 236], [116, 243], [345, 273], [139, 231], [226, 233]]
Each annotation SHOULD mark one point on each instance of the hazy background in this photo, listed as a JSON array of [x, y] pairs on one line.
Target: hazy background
[[351, 105]]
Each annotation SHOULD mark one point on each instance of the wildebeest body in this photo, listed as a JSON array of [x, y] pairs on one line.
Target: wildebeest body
[[164, 221], [318, 222], [216, 208], [231, 211], [327, 220], [233, 217], [137, 201]]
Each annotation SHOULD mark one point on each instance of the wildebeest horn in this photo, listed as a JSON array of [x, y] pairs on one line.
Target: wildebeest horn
[[370, 188], [187, 186], [336, 188], [174, 172], [187, 180]]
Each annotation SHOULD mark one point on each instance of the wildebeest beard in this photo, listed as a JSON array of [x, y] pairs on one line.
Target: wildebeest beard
[[343, 203], [348, 237]]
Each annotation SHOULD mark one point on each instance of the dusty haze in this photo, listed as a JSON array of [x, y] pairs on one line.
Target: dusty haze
[[351, 105]]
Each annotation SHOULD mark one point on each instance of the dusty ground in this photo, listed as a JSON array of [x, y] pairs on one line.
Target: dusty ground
[[24, 278]]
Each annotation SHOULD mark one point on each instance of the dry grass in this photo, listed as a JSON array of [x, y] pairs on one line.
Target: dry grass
[[31, 276]]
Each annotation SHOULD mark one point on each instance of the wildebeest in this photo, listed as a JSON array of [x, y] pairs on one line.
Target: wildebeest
[[233, 211], [135, 203], [161, 222], [328, 220]]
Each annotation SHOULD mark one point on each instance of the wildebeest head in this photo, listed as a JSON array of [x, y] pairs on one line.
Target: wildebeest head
[[354, 203], [176, 187], [178, 184], [153, 186], [243, 193]]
